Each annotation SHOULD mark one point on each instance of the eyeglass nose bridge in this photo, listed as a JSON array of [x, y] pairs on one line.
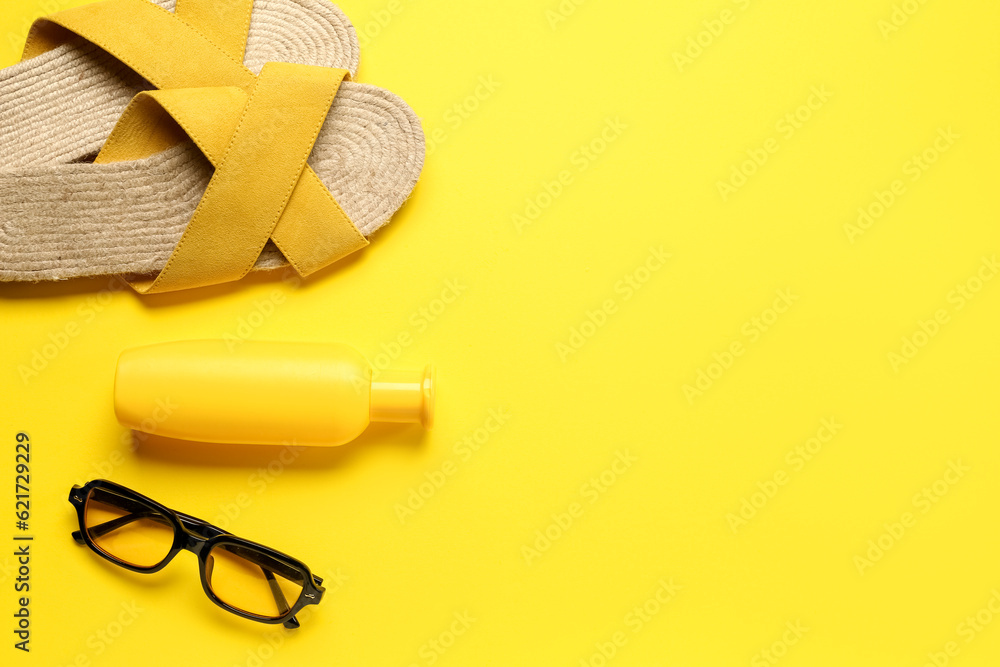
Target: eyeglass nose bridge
[[194, 542], [197, 531]]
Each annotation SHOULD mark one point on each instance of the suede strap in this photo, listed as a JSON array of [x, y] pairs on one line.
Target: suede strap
[[164, 48], [225, 22], [262, 187]]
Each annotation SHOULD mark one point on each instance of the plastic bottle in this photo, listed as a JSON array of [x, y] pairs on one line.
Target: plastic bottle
[[264, 393]]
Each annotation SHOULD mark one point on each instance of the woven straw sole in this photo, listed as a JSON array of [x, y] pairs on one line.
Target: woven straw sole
[[62, 105], [78, 220]]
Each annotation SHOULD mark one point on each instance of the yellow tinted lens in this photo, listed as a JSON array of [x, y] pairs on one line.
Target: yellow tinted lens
[[253, 582], [128, 530]]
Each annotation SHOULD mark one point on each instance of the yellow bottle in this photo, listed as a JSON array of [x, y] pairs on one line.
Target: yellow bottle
[[264, 393]]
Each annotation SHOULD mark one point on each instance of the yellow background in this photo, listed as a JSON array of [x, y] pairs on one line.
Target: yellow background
[[561, 82]]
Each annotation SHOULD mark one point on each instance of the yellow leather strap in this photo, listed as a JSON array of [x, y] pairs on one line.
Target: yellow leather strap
[[159, 45], [225, 22], [262, 188]]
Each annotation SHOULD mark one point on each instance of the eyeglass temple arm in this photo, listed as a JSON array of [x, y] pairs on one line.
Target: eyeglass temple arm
[[268, 567], [292, 623], [279, 597], [102, 529]]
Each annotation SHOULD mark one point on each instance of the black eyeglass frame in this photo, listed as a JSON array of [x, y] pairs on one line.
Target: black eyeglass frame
[[200, 538]]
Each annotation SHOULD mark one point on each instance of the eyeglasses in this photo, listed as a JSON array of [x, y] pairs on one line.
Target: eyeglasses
[[242, 577]]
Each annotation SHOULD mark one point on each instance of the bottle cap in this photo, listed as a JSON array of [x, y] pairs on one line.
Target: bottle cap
[[404, 397]]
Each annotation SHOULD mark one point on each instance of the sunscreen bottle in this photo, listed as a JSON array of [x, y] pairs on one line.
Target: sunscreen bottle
[[264, 393]]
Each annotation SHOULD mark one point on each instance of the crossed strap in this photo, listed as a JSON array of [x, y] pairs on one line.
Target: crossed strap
[[262, 189], [201, 44]]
